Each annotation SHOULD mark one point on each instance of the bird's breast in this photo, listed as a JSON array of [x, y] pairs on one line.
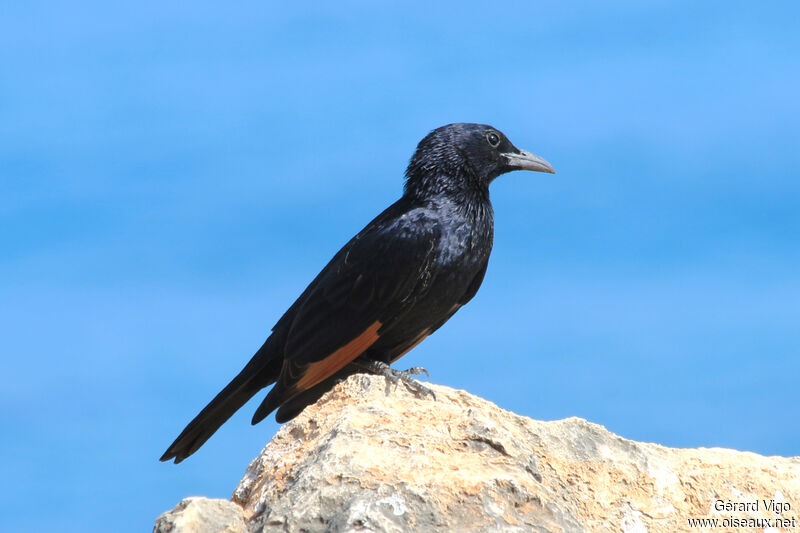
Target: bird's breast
[[458, 257], [461, 253], [466, 237]]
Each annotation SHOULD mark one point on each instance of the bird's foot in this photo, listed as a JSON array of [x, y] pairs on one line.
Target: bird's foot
[[395, 376]]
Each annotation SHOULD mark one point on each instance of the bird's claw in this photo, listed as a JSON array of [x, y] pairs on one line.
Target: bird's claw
[[416, 387], [412, 384], [416, 371], [404, 376]]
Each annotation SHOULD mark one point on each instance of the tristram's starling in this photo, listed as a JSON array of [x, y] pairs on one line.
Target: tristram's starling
[[392, 285]]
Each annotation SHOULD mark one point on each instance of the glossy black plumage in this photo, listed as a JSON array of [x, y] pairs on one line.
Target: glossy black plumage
[[392, 285]]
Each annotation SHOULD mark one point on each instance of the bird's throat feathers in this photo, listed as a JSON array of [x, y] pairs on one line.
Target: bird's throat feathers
[[455, 184]]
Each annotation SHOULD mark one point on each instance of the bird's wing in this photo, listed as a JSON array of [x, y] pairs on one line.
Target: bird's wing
[[369, 284]]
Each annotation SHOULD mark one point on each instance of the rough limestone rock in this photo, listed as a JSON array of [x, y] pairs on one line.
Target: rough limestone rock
[[373, 457], [202, 514]]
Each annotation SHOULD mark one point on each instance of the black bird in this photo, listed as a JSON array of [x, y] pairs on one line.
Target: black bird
[[392, 285]]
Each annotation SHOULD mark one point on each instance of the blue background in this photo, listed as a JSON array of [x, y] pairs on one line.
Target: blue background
[[174, 174]]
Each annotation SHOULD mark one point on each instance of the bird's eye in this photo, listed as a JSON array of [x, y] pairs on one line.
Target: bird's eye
[[493, 138]]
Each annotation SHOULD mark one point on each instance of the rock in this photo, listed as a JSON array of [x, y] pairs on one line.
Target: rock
[[373, 457], [202, 515]]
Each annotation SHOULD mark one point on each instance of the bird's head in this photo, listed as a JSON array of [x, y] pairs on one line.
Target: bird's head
[[462, 156]]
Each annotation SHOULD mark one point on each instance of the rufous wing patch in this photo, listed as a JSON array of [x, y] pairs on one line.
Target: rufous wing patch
[[316, 372]]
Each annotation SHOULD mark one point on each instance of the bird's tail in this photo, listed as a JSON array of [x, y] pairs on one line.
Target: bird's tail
[[261, 371]]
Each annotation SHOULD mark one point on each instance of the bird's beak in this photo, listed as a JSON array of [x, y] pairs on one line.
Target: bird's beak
[[527, 161]]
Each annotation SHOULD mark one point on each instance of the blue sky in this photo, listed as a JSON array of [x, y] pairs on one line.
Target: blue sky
[[173, 175]]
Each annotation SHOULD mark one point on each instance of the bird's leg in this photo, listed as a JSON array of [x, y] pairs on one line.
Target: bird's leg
[[382, 369]]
